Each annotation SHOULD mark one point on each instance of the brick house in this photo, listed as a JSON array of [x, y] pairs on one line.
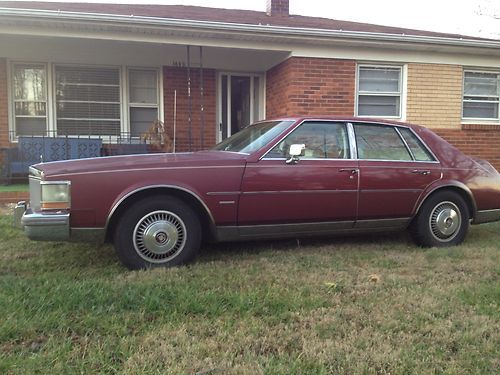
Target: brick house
[[110, 70]]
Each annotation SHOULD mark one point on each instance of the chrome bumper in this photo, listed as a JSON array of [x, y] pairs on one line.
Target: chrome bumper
[[42, 226]]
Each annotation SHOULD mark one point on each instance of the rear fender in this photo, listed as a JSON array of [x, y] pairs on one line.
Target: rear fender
[[452, 185]]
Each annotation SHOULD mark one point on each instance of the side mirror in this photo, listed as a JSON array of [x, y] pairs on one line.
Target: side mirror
[[296, 150]]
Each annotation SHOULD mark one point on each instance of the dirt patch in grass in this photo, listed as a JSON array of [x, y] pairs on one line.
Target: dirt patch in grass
[[7, 209]]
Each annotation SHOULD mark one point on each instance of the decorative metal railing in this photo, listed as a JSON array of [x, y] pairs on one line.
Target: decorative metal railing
[[19, 151]]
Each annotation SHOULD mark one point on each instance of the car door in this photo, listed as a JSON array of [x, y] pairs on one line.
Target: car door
[[395, 168], [321, 187]]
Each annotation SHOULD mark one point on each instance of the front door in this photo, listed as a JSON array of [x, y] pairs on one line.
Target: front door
[[321, 187], [239, 102]]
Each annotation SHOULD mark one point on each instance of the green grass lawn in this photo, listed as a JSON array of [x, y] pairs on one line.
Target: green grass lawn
[[14, 187], [373, 304]]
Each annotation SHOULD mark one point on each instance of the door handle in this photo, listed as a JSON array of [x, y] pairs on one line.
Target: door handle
[[350, 170], [421, 171]]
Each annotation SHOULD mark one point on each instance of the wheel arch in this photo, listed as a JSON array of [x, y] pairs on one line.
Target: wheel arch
[[187, 196], [456, 187]]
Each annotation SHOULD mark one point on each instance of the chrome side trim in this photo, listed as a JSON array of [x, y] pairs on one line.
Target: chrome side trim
[[223, 193], [390, 190], [122, 199], [406, 144], [397, 161], [352, 140], [268, 192], [309, 159], [486, 216]]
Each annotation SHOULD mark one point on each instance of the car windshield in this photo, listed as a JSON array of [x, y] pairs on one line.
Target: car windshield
[[253, 137]]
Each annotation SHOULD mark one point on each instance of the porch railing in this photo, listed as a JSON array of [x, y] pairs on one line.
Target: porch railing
[[19, 151]]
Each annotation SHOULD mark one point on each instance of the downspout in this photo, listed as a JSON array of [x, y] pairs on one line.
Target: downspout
[[190, 130], [202, 108]]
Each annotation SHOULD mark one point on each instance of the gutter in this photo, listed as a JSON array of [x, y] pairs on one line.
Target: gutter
[[227, 27]]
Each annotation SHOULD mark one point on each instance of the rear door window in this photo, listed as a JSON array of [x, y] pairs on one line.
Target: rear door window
[[380, 142]]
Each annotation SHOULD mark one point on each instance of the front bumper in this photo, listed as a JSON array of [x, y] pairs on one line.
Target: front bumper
[[47, 226]]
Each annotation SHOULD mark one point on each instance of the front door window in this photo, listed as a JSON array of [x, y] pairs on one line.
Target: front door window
[[239, 103]]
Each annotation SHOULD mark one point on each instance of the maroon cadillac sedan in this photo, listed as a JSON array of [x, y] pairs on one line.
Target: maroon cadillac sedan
[[292, 177]]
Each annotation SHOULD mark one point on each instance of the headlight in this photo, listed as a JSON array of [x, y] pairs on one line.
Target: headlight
[[55, 195]]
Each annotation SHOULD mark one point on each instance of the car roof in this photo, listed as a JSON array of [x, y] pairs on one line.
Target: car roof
[[375, 121]]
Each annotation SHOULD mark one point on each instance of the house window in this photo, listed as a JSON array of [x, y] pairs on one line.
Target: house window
[[30, 99], [379, 91], [143, 100], [481, 95], [87, 100]]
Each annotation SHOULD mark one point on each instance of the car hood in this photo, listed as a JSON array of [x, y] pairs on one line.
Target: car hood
[[142, 162]]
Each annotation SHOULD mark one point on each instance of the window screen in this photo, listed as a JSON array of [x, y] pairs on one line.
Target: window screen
[[87, 100], [143, 94], [379, 91], [323, 140], [380, 143], [30, 99], [481, 95]]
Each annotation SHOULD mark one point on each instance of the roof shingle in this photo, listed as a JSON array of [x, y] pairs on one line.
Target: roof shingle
[[222, 15]]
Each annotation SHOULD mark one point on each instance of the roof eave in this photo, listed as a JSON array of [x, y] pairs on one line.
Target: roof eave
[[263, 30]]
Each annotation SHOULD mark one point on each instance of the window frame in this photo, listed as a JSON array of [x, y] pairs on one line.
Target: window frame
[[402, 89], [481, 120], [396, 128], [51, 103], [129, 104], [11, 97], [344, 124], [54, 98]]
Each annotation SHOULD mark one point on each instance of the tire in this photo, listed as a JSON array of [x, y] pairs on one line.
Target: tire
[[160, 231], [443, 220]]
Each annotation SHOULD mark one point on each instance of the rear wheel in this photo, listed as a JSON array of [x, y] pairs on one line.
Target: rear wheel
[[443, 220], [157, 231]]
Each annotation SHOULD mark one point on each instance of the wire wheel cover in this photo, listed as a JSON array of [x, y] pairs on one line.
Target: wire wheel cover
[[445, 221], [159, 236]]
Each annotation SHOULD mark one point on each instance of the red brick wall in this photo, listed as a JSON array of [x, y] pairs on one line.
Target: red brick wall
[[311, 86], [175, 78], [4, 119], [482, 141]]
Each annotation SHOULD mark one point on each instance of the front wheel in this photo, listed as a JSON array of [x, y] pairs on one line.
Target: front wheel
[[443, 220], [157, 231]]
